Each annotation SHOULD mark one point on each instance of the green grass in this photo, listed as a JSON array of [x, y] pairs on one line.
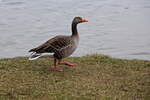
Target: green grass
[[95, 77]]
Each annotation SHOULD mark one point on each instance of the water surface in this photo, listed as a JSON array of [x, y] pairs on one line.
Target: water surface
[[119, 28]]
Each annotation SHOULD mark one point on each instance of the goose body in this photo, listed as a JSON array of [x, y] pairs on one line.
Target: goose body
[[62, 45]]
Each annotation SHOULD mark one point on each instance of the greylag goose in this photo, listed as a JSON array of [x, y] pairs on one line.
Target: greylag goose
[[62, 46]]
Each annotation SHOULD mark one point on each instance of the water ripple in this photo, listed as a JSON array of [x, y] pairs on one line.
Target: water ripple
[[141, 53], [14, 3], [8, 43]]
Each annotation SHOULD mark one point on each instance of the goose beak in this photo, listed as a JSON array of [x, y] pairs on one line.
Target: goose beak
[[84, 20]]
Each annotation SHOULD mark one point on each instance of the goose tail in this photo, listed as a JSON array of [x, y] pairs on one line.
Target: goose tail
[[34, 56]]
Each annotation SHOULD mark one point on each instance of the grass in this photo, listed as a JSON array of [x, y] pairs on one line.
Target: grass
[[95, 77]]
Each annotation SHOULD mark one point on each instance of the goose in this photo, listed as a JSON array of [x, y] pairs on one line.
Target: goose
[[61, 46]]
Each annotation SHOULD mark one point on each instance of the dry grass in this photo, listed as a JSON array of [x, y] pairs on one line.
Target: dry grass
[[95, 77]]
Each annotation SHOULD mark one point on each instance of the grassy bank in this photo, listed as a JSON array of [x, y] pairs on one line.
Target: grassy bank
[[95, 77]]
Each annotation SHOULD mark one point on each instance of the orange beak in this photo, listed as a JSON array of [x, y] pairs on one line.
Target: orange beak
[[84, 20]]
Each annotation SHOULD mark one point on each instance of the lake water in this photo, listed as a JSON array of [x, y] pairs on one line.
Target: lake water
[[119, 28]]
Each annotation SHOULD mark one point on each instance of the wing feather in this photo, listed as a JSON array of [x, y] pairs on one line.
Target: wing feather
[[55, 44]]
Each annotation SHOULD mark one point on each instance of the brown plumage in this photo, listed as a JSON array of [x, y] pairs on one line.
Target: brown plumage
[[62, 46], [59, 45]]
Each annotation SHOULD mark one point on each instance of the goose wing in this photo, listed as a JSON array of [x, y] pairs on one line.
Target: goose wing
[[53, 45]]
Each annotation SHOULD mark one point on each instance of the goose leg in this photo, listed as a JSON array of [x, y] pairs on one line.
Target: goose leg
[[66, 63], [55, 68]]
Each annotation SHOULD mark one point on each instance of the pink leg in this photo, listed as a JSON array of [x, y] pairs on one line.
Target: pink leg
[[55, 68], [66, 63]]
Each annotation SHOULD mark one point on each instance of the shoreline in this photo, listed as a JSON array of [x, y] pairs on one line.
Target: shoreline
[[123, 58]]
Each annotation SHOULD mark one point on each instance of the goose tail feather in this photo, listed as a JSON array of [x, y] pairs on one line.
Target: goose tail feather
[[34, 56]]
